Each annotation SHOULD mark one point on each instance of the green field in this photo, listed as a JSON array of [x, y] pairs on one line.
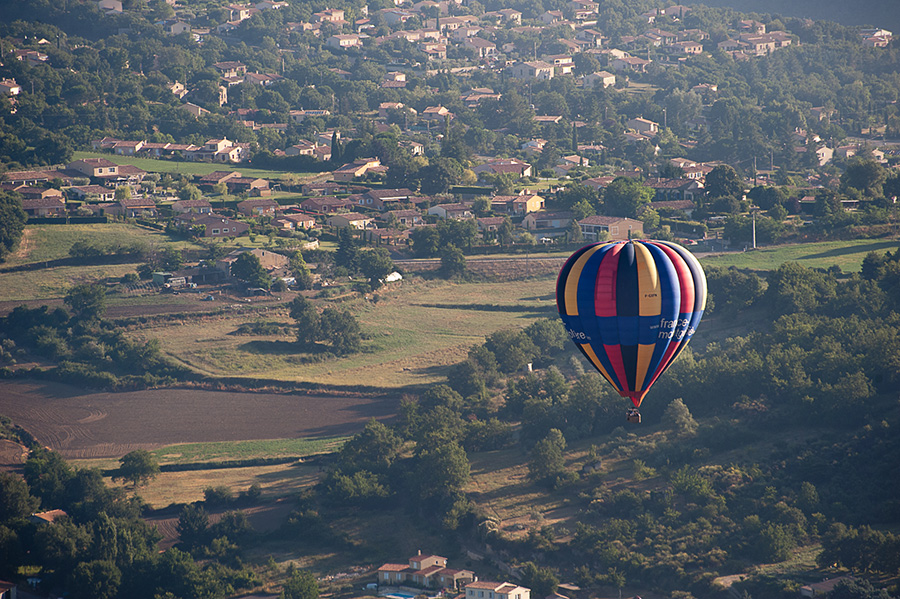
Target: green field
[[51, 242], [413, 332], [189, 168], [49, 283], [245, 450], [846, 254]]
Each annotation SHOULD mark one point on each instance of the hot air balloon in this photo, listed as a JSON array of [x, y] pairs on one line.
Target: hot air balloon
[[631, 307]]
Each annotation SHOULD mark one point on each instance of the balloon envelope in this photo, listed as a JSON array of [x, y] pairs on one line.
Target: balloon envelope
[[631, 307]]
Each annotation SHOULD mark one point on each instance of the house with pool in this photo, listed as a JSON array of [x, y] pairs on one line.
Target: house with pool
[[427, 571]]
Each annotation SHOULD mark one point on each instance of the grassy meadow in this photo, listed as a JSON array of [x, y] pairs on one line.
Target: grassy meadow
[[846, 254], [51, 242], [413, 332], [189, 168]]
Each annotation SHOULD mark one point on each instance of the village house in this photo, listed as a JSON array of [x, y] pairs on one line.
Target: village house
[[218, 150], [428, 571], [48, 517], [353, 220], [214, 178], [259, 207], [642, 126], [536, 69], [134, 208], [616, 227], [436, 114], [496, 590], [302, 148], [355, 169], [298, 221], [489, 224], [454, 211], [599, 79], [482, 48], [344, 41], [44, 207], [95, 168], [518, 204], [211, 225], [96, 193], [675, 189], [192, 206], [379, 198], [326, 204], [271, 261], [407, 218], [253, 186], [547, 220], [504, 165], [395, 237]]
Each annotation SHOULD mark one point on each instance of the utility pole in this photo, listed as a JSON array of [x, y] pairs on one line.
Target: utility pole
[[753, 213]]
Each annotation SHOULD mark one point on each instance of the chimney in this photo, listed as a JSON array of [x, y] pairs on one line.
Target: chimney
[[420, 552]]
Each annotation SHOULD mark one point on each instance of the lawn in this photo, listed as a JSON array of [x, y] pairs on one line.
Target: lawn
[[846, 254], [50, 242], [413, 332], [51, 283], [245, 450], [189, 168]]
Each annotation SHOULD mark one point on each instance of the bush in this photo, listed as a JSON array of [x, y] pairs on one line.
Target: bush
[[217, 496]]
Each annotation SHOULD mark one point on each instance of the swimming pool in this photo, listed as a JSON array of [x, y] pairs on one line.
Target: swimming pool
[[400, 595]]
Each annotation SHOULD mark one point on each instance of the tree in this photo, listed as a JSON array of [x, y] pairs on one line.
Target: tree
[[866, 175], [301, 585], [189, 192], [513, 349], [679, 415], [15, 500], [574, 234], [347, 254], [123, 192], [12, 222], [138, 466], [342, 329], [97, 579], [547, 461], [249, 269], [442, 470], [543, 582], [724, 181], [193, 525], [626, 197], [302, 275], [307, 318], [374, 449], [453, 262], [505, 233], [375, 265], [87, 301]]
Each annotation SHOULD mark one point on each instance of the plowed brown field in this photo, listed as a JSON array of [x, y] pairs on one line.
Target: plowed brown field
[[95, 424]]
